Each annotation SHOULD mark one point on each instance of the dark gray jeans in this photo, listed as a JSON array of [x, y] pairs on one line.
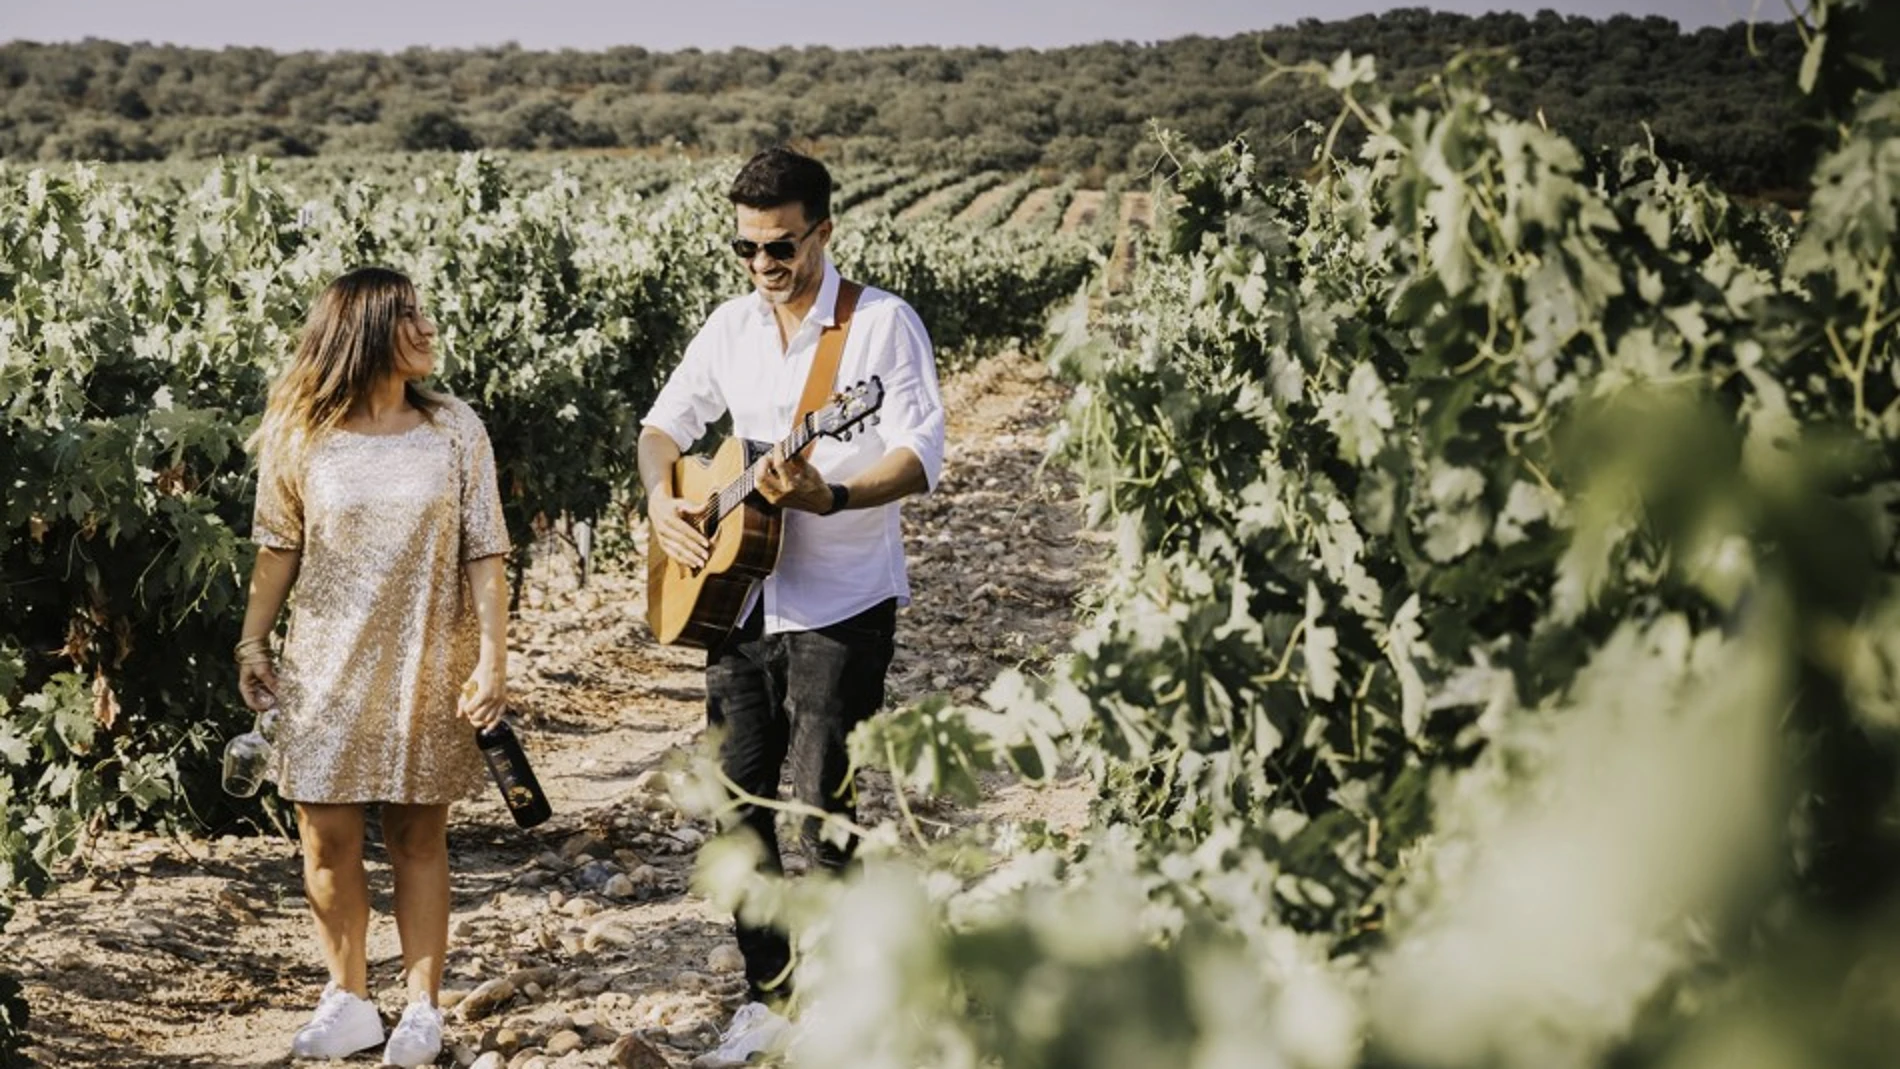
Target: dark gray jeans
[[795, 695]]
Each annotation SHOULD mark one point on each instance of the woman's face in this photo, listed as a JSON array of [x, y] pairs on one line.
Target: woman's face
[[415, 341]]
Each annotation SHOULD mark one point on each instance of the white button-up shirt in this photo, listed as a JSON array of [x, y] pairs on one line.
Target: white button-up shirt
[[829, 567]]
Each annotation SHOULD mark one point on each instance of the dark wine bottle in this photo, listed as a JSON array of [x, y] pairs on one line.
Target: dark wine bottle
[[522, 793]]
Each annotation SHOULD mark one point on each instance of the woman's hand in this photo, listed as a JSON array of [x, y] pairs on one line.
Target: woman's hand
[[257, 685], [484, 695]]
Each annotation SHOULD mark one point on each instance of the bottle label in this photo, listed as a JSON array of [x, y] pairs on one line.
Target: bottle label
[[513, 791]]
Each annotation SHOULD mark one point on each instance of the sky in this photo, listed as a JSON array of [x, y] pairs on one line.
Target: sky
[[391, 25]]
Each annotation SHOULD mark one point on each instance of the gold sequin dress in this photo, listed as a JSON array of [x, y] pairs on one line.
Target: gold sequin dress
[[383, 630]]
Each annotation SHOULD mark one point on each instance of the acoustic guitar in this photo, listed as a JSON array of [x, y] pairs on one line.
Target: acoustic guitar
[[698, 607]]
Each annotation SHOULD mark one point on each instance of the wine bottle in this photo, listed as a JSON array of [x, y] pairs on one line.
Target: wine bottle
[[520, 791]]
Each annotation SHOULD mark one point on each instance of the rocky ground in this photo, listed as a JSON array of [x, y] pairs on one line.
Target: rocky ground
[[578, 943]]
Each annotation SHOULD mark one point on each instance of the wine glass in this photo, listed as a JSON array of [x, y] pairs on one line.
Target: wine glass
[[247, 757]]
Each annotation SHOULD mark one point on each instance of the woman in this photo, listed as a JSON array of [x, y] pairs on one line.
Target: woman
[[378, 500]]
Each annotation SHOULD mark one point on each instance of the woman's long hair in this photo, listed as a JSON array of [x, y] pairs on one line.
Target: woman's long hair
[[349, 342]]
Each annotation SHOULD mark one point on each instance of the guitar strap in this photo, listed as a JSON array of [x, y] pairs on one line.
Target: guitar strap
[[824, 365]]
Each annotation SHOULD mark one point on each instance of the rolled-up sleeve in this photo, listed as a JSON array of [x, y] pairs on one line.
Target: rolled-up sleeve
[[277, 518], [912, 417], [690, 401], [484, 527]]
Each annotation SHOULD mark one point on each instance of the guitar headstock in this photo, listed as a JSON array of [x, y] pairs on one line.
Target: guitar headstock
[[849, 408]]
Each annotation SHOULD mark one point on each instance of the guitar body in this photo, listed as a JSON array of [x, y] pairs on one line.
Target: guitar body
[[699, 608]]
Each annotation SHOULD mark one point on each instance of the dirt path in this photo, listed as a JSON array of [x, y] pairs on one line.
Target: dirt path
[[1032, 207], [939, 201], [983, 203], [1136, 220], [192, 953], [1137, 211], [1083, 208]]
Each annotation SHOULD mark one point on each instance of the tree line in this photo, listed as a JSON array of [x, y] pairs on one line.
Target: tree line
[[1718, 100]]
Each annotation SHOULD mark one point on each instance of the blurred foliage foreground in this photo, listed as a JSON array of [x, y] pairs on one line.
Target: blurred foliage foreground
[[1500, 665]]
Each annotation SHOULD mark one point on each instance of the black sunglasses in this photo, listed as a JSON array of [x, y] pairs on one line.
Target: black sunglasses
[[782, 249]]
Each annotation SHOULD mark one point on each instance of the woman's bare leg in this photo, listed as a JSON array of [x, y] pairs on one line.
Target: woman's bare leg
[[338, 889], [417, 839]]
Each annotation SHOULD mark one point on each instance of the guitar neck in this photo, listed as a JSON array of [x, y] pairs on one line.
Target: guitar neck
[[734, 493]]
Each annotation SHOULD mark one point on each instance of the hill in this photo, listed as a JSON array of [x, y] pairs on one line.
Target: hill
[[1709, 101]]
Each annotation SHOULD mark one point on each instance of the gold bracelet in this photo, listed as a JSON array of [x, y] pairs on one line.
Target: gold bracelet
[[252, 650]]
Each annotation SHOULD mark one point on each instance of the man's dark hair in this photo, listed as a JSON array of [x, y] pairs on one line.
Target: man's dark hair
[[780, 176]]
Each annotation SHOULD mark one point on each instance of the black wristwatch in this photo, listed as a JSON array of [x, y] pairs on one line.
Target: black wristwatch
[[840, 497]]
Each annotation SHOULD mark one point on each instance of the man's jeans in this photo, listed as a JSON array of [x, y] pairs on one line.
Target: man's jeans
[[796, 695]]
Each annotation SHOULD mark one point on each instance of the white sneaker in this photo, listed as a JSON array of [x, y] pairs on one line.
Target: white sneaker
[[755, 1030], [417, 1038], [342, 1025]]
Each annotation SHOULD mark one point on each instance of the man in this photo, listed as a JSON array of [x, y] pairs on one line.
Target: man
[[808, 662]]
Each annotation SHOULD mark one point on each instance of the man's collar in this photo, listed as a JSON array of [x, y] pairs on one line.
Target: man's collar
[[826, 306]]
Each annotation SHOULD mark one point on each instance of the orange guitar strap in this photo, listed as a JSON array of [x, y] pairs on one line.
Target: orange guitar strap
[[824, 366]]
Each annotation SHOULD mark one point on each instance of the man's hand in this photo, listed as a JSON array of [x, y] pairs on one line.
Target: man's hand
[[667, 518], [791, 482]]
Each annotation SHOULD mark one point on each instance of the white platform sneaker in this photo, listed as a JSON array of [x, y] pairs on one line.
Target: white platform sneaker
[[417, 1038], [342, 1025], [755, 1031]]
